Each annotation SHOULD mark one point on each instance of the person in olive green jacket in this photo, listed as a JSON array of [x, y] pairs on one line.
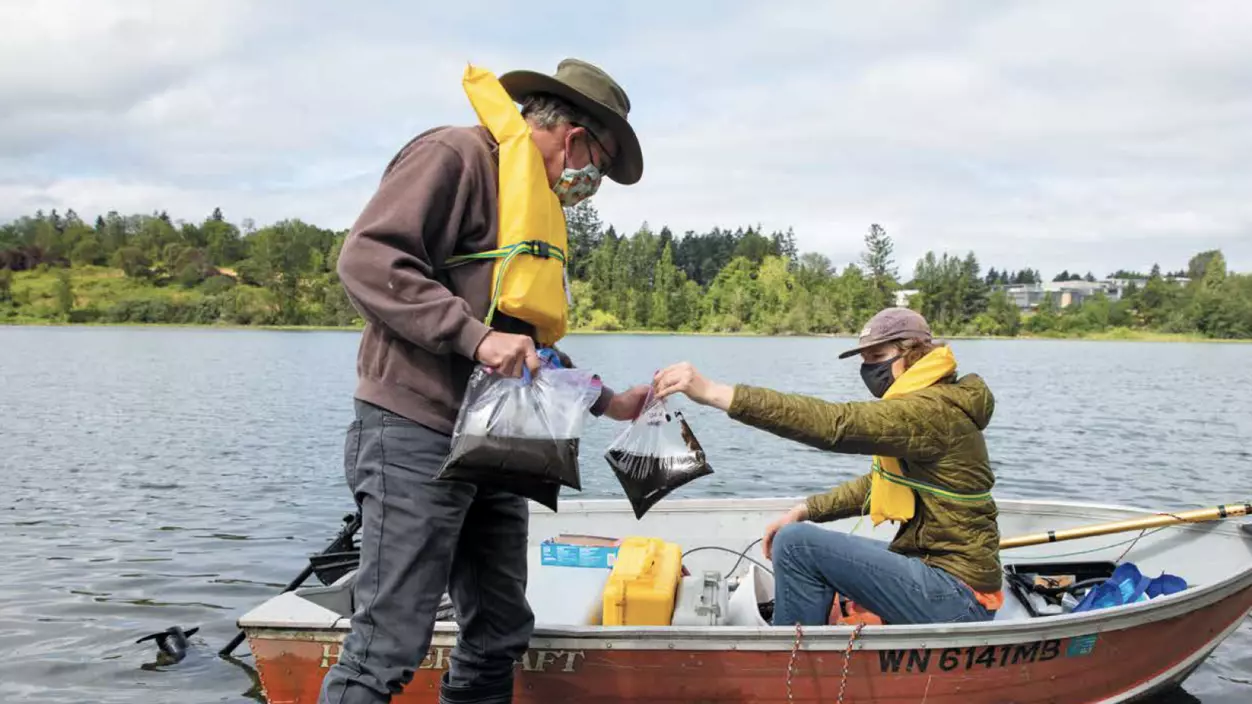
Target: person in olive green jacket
[[943, 565]]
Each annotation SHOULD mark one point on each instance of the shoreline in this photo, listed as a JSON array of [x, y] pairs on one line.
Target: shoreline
[[1113, 335]]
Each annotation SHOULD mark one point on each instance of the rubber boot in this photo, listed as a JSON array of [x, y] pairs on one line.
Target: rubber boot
[[494, 693]]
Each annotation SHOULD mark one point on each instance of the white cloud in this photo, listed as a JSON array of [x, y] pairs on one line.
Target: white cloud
[[71, 55], [1054, 135]]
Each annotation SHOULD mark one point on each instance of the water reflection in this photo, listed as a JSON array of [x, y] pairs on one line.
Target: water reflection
[[254, 691], [1176, 695]]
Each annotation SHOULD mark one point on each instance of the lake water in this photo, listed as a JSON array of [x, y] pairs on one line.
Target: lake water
[[180, 476]]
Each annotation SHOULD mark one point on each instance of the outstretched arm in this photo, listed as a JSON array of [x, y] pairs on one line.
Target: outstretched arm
[[893, 427], [623, 406]]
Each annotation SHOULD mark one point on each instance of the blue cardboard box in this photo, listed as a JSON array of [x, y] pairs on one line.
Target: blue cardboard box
[[579, 551]]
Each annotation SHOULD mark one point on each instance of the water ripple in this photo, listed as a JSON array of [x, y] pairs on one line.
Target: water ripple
[[159, 476]]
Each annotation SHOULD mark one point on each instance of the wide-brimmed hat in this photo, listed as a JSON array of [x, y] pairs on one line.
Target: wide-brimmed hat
[[593, 91], [889, 325]]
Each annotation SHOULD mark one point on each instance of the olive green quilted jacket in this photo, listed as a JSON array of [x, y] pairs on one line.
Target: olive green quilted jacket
[[936, 433]]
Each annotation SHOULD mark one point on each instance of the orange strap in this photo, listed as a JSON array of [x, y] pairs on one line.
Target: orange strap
[[854, 614], [991, 601]]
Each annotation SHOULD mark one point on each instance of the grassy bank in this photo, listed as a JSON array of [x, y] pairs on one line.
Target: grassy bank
[[103, 296]]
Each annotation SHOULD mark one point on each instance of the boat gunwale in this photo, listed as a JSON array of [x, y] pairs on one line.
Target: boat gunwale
[[768, 638], [831, 637], [1079, 509]]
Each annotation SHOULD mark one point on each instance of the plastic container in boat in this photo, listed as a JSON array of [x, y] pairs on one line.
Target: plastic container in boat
[[566, 596], [756, 588], [641, 588], [701, 600]]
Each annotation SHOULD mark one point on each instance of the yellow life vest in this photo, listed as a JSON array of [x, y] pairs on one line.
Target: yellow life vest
[[529, 275], [891, 493]]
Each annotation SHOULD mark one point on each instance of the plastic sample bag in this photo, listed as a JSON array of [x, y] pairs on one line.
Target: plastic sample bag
[[541, 492], [522, 435], [657, 454]]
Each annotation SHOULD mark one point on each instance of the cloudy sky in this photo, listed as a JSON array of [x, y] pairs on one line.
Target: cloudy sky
[[1079, 135]]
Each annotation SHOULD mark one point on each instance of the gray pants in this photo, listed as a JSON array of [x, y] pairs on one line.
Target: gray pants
[[420, 536]]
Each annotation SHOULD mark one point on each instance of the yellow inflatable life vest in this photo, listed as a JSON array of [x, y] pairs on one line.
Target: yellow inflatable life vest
[[891, 493], [529, 276]]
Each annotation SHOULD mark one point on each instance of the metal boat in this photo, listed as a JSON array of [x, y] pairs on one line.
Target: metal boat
[[1033, 651]]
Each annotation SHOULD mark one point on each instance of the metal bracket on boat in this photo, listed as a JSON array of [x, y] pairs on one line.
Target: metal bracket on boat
[[708, 597]]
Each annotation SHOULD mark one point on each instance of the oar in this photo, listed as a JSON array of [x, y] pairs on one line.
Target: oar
[[341, 543], [291, 586], [1201, 515]]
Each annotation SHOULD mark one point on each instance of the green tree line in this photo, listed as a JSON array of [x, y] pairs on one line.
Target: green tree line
[[150, 269]]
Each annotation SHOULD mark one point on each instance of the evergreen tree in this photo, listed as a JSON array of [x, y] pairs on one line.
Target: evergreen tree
[[879, 265], [584, 231]]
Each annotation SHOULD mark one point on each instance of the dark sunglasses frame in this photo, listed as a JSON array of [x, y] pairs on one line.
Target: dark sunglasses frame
[[608, 156]]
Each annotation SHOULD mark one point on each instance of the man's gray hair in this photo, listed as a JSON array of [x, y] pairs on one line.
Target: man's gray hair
[[547, 111]]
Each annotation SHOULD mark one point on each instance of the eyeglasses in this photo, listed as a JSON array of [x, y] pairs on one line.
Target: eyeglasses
[[607, 155]]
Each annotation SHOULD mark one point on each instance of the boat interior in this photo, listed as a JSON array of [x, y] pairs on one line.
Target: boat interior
[[727, 580]]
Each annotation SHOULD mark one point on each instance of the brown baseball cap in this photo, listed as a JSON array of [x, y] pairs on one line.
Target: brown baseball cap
[[888, 325], [592, 90]]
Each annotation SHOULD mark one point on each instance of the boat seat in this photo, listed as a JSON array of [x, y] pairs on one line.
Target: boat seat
[[337, 598], [1013, 610]]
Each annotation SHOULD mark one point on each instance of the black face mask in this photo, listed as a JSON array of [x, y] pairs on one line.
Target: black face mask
[[878, 377]]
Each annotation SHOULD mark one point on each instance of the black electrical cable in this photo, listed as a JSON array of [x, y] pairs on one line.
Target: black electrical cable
[[742, 554]]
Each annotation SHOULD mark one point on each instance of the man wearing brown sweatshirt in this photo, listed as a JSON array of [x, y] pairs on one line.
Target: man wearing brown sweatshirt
[[424, 332]]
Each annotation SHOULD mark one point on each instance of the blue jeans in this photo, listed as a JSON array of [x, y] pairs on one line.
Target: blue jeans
[[812, 564]]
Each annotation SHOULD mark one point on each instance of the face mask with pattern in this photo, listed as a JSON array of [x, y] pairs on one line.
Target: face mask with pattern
[[577, 185]]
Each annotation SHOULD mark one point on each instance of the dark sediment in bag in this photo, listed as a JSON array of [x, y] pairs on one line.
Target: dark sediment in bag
[[647, 480], [648, 477], [542, 493], [488, 459], [521, 436]]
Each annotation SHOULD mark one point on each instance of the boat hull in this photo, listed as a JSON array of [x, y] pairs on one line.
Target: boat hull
[[1119, 659]]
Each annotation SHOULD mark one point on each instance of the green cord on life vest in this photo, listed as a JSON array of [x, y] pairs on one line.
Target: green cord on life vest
[[917, 486], [930, 488], [535, 248]]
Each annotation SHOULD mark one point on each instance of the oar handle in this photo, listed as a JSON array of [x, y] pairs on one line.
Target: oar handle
[[1201, 515]]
